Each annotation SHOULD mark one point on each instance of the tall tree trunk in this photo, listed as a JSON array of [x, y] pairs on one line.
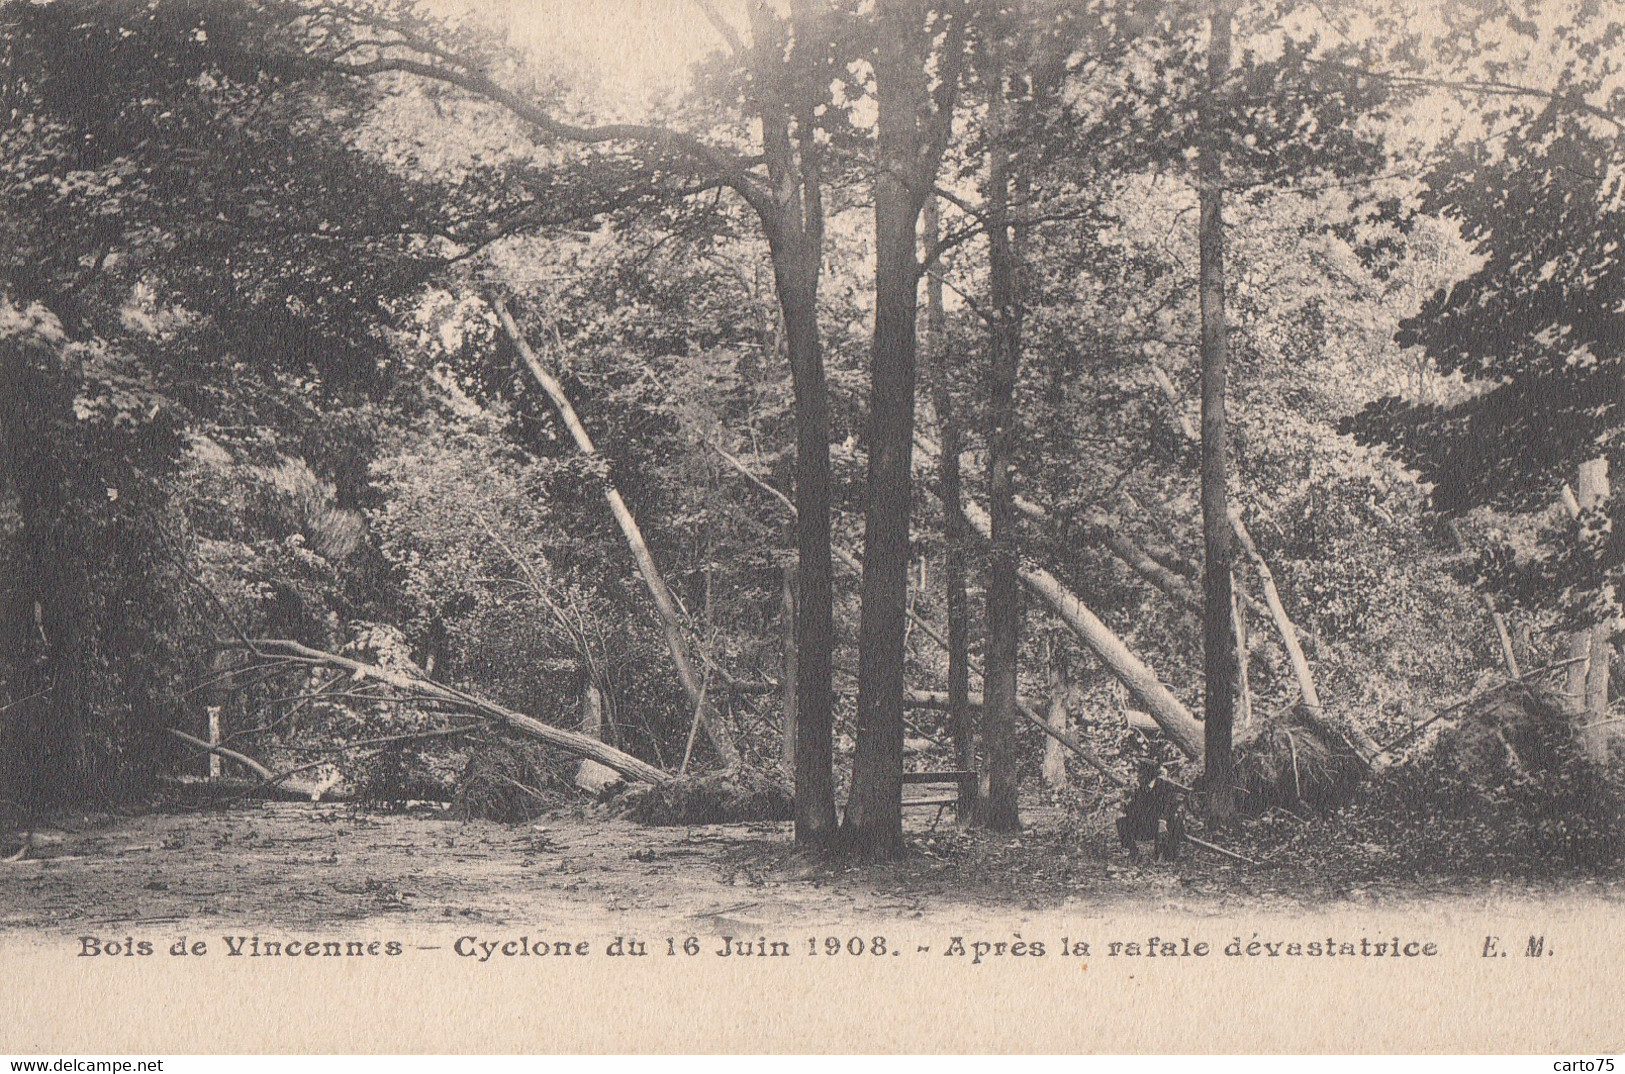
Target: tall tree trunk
[[874, 813], [716, 731], [794, 225], [908, 143], [796, 268], [960, 718], [999, 810], [1218, 634]]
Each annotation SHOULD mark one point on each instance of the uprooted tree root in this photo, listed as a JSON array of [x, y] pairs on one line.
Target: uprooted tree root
[[1511, 777], [718, 798], [1513, 731], [1293, 767]]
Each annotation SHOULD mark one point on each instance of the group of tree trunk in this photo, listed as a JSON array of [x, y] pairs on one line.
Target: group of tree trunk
[[920, 55], [931, 60]]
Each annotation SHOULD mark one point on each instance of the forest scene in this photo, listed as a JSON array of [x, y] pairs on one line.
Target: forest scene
[[459, 456]]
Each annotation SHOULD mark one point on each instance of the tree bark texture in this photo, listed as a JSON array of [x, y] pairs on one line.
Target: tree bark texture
[[909, 142], [790, 676], [794, 224], [1588, 677], [797, 272], [1218, 633], [999, 810], [955, 599]]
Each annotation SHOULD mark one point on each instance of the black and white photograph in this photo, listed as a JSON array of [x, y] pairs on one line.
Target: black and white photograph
[[996, 509]]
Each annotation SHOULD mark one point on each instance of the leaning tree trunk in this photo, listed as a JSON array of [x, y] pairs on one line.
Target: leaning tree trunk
[[715, 730], [1313, 711], [1176, 721], [1218, 633], [999, 808]]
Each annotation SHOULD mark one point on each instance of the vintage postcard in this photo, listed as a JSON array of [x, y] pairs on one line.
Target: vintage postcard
[[799, 526]]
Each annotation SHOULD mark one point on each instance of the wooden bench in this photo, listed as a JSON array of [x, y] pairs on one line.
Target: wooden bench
[[963, 782]]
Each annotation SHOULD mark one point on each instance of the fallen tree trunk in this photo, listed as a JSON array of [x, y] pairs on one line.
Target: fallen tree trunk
[[201, 791], [1171, 715], [417, 689], [715, 731], [1137, 559]]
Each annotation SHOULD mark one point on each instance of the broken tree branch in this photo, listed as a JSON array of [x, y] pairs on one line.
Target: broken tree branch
[[232, 755], [1231, 854], [1508, 656], [571, 742], [931, 699], [1406, 736]]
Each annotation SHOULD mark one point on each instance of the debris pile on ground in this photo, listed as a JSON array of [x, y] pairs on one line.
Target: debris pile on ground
[[401, 773], [1292, 767], [512, 782], [718, 798], [1510, 777]]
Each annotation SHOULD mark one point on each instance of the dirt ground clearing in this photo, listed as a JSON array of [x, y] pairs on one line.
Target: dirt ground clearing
[[299, 865]]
